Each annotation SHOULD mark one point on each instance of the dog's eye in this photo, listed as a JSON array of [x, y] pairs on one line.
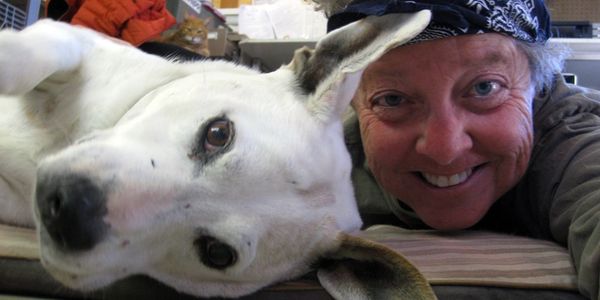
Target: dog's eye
[[214, 253], [218, 134], [215, 137]]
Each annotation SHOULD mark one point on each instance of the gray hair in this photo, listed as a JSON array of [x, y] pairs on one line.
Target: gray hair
[[545, 62]]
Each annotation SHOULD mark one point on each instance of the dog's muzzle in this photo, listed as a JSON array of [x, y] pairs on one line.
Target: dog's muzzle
[[71, 209]]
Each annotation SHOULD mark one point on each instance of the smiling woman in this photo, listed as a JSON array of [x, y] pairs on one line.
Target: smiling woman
[[459, 144]]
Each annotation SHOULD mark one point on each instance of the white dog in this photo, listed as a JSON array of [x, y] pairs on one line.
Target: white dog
[[209, 177]]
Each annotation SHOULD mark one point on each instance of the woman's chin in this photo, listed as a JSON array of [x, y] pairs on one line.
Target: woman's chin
[[449, 225], [451, 220]]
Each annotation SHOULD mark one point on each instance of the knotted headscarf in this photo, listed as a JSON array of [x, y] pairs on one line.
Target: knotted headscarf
[[526, 20]]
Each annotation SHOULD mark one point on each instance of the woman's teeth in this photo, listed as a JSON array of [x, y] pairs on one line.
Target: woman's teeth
[[446, 181]]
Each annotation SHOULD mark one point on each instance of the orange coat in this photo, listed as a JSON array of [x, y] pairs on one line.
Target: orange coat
[[134, 21]]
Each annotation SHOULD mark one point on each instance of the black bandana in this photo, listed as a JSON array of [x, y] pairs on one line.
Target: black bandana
[[526, 20]]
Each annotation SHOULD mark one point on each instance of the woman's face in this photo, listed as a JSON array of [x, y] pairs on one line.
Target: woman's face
[[447, 125]]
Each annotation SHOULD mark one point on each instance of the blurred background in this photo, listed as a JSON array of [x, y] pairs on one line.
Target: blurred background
[[264, 33]]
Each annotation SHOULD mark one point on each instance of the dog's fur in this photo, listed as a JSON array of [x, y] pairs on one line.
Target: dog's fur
[[108, 147]]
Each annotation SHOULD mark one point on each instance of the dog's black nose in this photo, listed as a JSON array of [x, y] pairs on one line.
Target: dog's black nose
[[71, 208]]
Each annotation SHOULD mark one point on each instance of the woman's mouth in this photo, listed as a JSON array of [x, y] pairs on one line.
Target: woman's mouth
[[443, 181]]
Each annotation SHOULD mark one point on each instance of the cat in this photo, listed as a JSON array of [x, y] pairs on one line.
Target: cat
[[191, 34]]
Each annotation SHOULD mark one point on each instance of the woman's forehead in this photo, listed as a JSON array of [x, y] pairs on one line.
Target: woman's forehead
[[467, 51]]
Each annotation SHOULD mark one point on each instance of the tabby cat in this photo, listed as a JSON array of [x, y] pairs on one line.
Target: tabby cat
[[191, 34]]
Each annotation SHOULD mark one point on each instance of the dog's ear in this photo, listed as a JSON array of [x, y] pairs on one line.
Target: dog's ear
[[330, 73], [362, 269]]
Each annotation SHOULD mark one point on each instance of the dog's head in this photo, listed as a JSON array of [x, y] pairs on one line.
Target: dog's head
[[220, 182]]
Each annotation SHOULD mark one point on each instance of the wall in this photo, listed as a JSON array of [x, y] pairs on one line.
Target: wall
[[574, 10]]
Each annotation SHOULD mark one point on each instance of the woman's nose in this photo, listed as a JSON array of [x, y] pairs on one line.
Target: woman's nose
[[443, 138]]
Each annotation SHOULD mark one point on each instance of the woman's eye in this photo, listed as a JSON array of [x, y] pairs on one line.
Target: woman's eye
[[218, 135], [485, 88], [487, 94], [388, 100]]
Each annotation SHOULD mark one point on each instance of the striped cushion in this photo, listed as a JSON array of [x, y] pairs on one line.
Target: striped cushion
[[17, 242], [472, 258], [481, 258]]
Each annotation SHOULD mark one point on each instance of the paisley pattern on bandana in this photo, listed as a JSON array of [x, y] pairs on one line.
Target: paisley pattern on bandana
[[526, 20], [513, 18], [479, 5]]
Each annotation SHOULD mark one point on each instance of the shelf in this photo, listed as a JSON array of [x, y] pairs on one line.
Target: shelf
[[272, 54]]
